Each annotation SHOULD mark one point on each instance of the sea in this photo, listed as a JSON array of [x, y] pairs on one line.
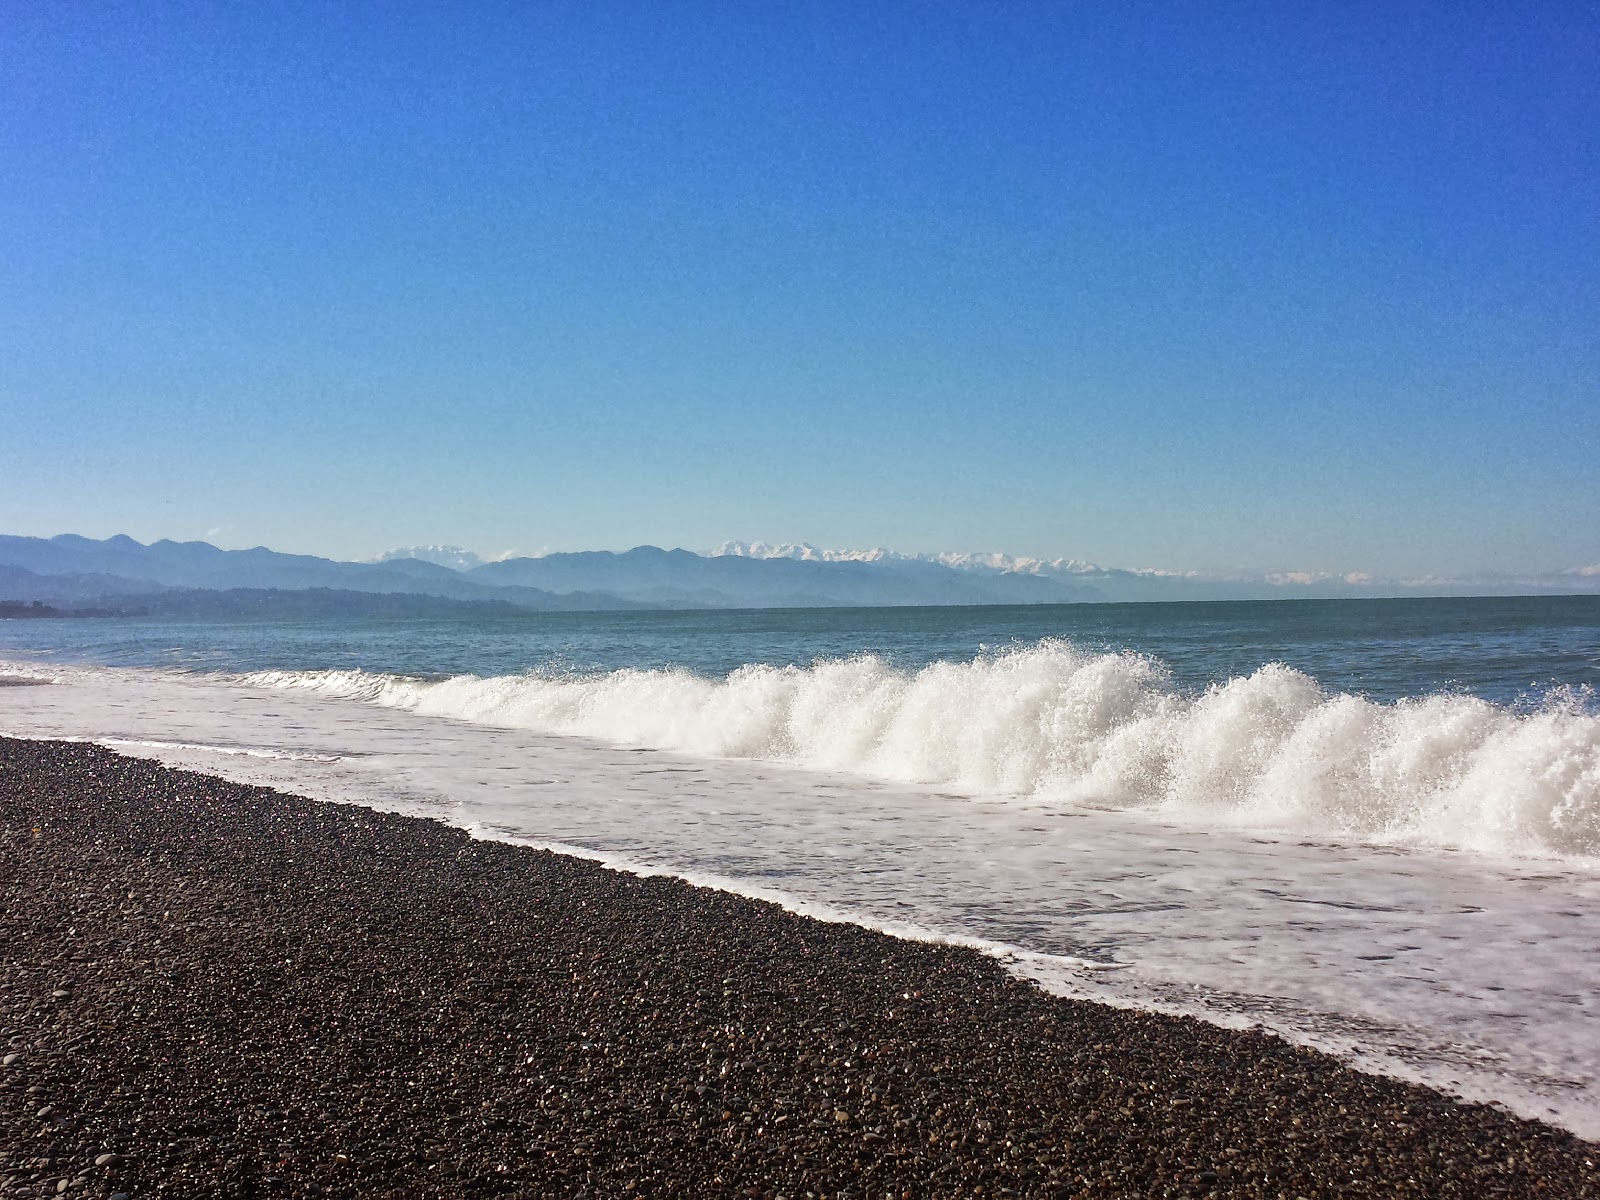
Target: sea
[[1370, 826]]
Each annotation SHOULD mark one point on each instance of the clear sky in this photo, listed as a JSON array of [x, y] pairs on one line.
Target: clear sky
[[1184, 285]]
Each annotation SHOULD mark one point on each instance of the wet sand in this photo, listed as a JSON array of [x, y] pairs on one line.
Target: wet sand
[[209, 990]]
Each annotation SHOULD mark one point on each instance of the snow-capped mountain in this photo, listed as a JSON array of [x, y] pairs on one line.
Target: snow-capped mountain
[[1002, 564], [737, 575], [453, 557]]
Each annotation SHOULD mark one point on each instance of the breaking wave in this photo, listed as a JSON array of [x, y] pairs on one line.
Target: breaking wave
[[1057, 723]]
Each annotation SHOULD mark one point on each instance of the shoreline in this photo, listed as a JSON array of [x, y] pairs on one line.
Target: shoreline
[[241, 993]]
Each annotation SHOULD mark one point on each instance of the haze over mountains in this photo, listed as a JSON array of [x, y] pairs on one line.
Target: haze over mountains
[[199, 579]]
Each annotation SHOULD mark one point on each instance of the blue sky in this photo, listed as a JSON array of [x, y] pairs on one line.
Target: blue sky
[[1183, 285]]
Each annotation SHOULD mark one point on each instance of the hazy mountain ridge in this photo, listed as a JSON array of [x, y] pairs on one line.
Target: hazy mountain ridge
[[675, 578], [122, 572], [996, 562], [452, 557], [70, 567], [1156, 583]]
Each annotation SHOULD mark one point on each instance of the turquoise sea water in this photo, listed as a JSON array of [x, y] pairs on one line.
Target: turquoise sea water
[[1513, 651]]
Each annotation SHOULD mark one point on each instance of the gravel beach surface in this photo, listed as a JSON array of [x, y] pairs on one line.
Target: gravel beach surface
[[219, 991]]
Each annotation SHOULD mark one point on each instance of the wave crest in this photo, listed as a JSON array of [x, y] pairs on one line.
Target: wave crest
[[1054, 722]]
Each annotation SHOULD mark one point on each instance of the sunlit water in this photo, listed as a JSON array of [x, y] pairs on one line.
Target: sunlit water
[[1384, 845]]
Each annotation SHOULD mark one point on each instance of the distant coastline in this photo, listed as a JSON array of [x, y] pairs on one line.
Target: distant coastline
[[13, 610]]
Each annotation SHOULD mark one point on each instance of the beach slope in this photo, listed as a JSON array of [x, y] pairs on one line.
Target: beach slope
[[209, 990]]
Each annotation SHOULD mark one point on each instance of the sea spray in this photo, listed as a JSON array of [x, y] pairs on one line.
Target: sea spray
[[1055, 722]]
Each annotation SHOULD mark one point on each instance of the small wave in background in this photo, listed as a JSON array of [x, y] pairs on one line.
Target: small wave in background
[[1055, 722]]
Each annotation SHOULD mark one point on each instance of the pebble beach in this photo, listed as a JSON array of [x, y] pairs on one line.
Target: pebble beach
[[210, 990]]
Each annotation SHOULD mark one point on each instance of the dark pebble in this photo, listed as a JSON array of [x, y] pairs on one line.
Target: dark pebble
[[271, 996]]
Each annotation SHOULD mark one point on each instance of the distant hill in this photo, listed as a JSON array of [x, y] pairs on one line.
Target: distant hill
[[202, 565], [19, 583], [69, 568], [453, 557], [680, 579], [119, 571], [16, 608]]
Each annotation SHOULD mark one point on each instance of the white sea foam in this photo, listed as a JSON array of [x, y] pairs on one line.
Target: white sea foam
[[139, 745], [1054, 723]]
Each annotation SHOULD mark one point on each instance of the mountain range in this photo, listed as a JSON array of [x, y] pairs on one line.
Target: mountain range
[[197, 579]]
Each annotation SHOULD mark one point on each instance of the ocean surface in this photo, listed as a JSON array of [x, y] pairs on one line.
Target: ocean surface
[[1372, 826]]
